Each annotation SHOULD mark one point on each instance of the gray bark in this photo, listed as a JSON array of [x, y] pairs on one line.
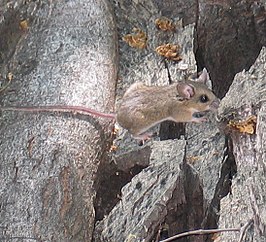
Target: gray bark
[[57, 180], [247, 201], [143, 204], [68, 55], [178, 187], [209, 165]]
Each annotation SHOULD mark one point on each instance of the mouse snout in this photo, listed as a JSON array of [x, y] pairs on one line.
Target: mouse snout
[[215, 104]]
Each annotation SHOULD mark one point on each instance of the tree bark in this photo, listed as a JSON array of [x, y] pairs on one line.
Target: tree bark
[[245, 99], [66, 54], [228, 38], [54, 172]]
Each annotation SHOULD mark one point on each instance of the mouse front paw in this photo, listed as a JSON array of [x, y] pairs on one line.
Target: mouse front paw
[[199, 120], [199, 117]]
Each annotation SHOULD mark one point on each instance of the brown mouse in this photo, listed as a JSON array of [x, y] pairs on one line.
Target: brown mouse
[[142, 107]]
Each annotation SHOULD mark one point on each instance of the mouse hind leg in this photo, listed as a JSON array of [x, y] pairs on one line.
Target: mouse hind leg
[[144, 137]]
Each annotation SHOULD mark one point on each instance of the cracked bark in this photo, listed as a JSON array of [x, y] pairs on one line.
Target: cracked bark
[[67, 55], [54, 168]]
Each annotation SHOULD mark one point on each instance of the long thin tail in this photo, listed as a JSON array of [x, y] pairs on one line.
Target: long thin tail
[[78, 109]]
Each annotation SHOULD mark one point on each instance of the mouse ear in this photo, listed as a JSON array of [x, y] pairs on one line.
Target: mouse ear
[[204, 76], [185, 90]]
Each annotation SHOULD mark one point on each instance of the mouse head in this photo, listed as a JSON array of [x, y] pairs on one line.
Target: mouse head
[[197, 95]]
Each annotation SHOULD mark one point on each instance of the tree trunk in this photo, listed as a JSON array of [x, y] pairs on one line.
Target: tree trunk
[[63, 53], [55, 170], [166, 197], [245, 102]]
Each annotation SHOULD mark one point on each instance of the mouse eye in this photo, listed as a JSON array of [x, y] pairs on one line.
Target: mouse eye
[[204, 99]]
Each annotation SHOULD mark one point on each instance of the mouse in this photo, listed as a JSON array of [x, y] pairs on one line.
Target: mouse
[[142, 107]]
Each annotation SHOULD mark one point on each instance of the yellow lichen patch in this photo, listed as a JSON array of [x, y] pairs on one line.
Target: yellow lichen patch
[[193, 159], [9, 76], [131, 238], [113, 148], [115, 130], [247, 126], [24, 24], [169, 51], [165, 24], [138, 39], [216, 237]]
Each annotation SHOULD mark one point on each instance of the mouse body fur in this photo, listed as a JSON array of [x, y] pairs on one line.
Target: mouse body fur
[[142, 107]]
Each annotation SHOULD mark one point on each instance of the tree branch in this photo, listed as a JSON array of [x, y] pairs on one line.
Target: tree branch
[[242, 231]]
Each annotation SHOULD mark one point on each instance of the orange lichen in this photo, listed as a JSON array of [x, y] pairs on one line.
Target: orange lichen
[[247, 126], [115, 130], [193, 159], [216, 237], [24, 25], [9, 76], [169, 51], [165, 24], [138, 39], [113, 148]]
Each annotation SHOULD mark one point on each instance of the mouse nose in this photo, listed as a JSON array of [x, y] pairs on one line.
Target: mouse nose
[[215, 104]]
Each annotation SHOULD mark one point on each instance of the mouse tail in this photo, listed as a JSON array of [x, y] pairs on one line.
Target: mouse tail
[[73, 109]]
